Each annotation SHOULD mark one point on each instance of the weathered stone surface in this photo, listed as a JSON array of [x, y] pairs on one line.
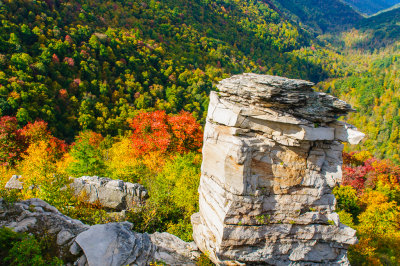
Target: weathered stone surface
[[174, 251], [106, 244], [272, 154], [39, 218], [295, 97], [115, 244], [347, 133], [112, 194], [14, 183]]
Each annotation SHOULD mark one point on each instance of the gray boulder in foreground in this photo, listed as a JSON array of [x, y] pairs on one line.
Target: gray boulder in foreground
[[112, 194], [98, 245], [174, 251], [115, 244]]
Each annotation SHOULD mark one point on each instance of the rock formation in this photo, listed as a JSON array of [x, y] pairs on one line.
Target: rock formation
[[104, 244], [272, 154], [110, 193]]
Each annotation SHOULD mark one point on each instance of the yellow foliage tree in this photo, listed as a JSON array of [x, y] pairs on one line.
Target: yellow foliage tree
[[122, 162], [37, 167], [125, 163]]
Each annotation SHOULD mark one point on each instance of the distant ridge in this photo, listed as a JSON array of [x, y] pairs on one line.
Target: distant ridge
[[370, 7], [383, 28], [386, 10]]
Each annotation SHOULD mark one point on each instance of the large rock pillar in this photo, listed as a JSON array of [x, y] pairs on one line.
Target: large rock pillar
[[272, 155]]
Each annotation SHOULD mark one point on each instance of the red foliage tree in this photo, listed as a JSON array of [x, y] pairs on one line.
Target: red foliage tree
[[157, 131], [365, 174], [55, 59], [69, 39], [150, 132], [70, 61], [12, 142], [186, 132]]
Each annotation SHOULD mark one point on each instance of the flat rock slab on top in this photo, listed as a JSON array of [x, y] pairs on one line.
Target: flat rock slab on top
[[288, 95]]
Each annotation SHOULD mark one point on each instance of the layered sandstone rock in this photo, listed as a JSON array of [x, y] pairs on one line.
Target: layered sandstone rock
[[271, 157]]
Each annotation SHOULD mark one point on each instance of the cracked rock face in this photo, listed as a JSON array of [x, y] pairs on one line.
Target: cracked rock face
[[272, 155]]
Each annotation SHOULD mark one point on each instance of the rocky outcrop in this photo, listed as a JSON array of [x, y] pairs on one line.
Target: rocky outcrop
[[104, 244], [272, 154], [41, 219], [115, 195], [110, 193]]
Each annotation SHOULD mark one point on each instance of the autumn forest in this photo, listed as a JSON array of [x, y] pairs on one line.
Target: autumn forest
[[120, 89]]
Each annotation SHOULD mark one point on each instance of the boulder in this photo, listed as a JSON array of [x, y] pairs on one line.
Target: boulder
[[115, 244], [112, 194], [272, 155]]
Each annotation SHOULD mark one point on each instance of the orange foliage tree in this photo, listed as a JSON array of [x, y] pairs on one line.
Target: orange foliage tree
[[157, 131]]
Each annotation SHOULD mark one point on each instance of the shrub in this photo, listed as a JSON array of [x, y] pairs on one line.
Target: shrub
[[22, 249], [12, 142], [87, 154], [173, 198]]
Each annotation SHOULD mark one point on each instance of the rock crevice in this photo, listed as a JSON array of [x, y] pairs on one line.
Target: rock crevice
[[272, 154]]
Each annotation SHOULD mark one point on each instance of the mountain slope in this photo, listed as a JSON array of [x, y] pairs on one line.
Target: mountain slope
[[319, 15], [380, 30], [86, 64], [375, 95], [370, 7]]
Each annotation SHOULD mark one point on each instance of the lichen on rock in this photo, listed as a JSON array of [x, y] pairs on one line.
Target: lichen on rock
[[272, 155]]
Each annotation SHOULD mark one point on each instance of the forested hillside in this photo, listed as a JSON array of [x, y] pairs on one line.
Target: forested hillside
[[318, 15], [382, 29], [374, 93], [372, 54], [92, 64]]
